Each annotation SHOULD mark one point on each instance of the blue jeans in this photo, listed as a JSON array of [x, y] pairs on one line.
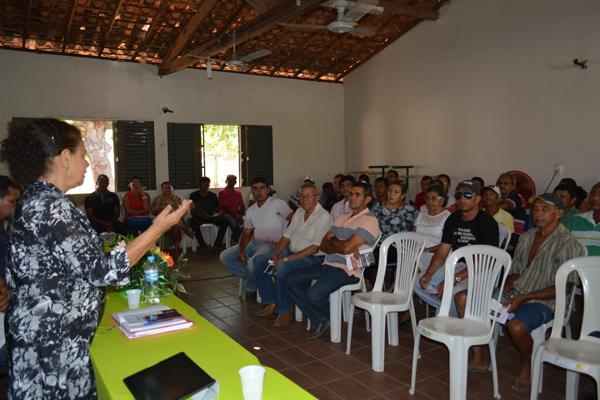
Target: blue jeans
[[230, 258], [435, 300], [314, 300], [234, 225], [274, 291]]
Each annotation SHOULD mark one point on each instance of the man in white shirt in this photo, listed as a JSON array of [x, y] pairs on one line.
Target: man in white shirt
[[343, 206], [263, 227], [296, 249]]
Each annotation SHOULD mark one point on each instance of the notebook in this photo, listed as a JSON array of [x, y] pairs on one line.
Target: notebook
[[177, 377]]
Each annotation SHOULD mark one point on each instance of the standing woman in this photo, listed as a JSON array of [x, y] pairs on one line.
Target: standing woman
[[56, 266], [136, 204]]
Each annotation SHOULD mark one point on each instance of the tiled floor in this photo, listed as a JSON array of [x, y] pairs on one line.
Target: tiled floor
[[326, 371]]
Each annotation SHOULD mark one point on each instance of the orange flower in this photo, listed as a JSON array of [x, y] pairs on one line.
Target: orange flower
[[166, 257]]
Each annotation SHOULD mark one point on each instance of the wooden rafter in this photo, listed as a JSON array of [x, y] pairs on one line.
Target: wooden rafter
[[261, 6], [69, 24], [286, 10], [189, 29], [408, 11], [151, 30], [26, 26], [110, 26]]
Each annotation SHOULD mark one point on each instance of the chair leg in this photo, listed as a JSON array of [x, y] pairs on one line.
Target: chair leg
[[378, 339], [536, 372], [367, 321], [350, 321], [241, 289], [335, 316], [298, 314], [459, 363], [346, 301], [413, 319], [413, 377], [494, 367], [572, 385], [392, 328]]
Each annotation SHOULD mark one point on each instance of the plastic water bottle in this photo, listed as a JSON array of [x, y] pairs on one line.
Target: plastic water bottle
[[151, 289]]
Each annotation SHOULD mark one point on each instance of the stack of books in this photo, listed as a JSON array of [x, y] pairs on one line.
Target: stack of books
[[148, 321]]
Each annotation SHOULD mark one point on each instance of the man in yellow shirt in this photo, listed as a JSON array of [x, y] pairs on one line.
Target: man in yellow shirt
[[490, 195]]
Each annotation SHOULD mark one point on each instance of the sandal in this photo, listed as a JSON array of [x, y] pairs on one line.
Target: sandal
[[521, 385]]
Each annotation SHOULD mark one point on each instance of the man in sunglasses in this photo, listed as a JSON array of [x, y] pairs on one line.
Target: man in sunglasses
[[466, 226]]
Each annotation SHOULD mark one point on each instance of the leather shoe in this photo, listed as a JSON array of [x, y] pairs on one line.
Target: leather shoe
[[267, 311], [282, 320], [319, 330]]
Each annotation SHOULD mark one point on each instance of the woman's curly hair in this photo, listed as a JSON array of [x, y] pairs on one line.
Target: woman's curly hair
[[29, 147]]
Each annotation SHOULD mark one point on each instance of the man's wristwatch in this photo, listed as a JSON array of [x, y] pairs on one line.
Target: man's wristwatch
[[457, 278]]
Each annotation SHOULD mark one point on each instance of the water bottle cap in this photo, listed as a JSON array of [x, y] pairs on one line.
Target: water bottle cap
[[150, 258]]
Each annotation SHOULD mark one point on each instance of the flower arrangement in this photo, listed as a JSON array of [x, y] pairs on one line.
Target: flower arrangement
[[170, 271]]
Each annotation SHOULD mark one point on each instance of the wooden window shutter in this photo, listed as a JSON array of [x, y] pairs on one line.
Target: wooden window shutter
[[256, 153], [185, 155], [134, 153]]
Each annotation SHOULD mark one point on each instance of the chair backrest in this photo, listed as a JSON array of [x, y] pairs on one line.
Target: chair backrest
[[409, 247], [505, 236], [484, 264], [588, 270]]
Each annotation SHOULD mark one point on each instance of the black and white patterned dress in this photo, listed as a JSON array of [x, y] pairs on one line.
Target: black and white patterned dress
[[56, 268]]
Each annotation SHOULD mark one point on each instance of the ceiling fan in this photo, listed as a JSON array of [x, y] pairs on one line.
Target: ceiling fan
[[348, 14], [238, 63]]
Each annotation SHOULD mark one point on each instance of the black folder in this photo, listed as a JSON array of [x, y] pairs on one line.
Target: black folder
[[177, 377]]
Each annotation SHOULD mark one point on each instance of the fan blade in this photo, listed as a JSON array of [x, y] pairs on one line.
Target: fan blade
[[362, 32], [254, 55], [360, 9], [305, 27]]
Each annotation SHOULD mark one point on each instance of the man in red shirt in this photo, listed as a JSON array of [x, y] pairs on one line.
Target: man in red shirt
[[232, 204]]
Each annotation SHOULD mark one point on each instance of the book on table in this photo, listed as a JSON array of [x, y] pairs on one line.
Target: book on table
[[151, 320]]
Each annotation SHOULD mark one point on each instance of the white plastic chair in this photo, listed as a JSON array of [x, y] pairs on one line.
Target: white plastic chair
[[576, 356], [505, 236], [381, 304], [335, 304], [484, 264], [209, 234]]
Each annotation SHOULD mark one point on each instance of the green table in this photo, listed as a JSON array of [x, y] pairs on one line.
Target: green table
[[114, 357]]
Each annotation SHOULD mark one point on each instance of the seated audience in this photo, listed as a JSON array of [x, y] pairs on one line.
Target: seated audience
[[529, 290], [466, 226], [582, 195], [336, 186], [514, 203], [103, 208], [393, 216], [391, 175], [9, 194], [136, 204], [349, 233], [263, 227], [490, 197], [232, 207], [380, 188], [328, 197], [343, 206], [205, 210], [420, 198], [446, 182], [296, 249], [568, 196], [430, 223], [586, 227], [169, 198]]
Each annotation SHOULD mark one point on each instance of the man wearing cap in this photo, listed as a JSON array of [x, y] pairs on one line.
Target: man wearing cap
[[529, 290], [467, 226], [490, 195]]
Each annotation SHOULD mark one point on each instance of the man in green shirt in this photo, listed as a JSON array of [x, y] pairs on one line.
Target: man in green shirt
[[568, 196], [586, 227]]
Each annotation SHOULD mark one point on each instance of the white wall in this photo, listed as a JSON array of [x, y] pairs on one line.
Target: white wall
[[488, 87], [307, 117]]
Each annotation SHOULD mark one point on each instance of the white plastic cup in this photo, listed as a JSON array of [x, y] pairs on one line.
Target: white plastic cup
[[133, 298], [252, 381]]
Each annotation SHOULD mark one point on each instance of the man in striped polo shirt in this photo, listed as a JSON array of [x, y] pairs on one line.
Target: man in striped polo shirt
[[586, 227], [350, 233]]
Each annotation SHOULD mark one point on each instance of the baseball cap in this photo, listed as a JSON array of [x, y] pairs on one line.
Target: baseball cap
[[493, 188], [471, 186], [309, 178], [552, 199]]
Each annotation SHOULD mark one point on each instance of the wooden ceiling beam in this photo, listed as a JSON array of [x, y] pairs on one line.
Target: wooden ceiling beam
[[26, 26], [261, 6], [265, 22], [189, 29], [110, 26], [69, 23], [151, 31], [408, 11]]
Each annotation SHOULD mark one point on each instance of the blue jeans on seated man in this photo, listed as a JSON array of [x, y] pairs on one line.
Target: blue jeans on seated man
[[234, 225], [230, 258], [274, 292], [314, 300], [435, 300]]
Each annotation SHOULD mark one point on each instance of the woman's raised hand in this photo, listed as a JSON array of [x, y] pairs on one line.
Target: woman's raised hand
[[169, 217]]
